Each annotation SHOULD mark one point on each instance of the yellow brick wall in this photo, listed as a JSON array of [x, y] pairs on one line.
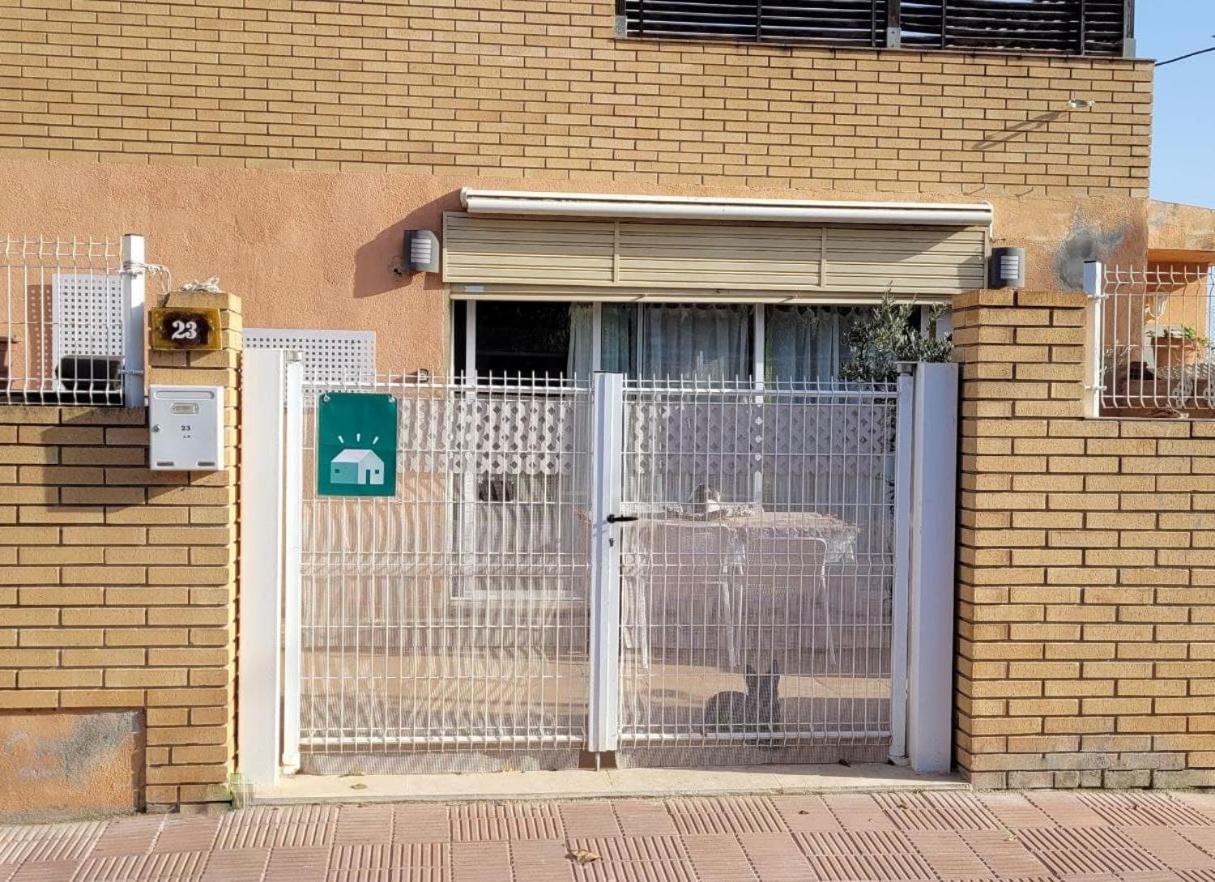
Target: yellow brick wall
[[118, 584], [544, 90], [1086, 586]]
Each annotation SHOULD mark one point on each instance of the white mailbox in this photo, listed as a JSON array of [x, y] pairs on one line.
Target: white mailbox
[[187, 428]]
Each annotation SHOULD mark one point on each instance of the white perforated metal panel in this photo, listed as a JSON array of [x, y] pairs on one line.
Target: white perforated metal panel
[[87, 314], [339, 357]]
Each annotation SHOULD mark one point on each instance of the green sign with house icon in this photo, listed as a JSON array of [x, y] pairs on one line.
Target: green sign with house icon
[[356, 444]]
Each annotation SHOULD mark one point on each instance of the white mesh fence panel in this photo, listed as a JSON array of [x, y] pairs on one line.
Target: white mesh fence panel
[[1157, 356], [62, 325]]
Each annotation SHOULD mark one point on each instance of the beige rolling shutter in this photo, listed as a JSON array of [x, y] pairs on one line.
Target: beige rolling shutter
[[535, 252], [668, 257], [719, 256], [929, 260]]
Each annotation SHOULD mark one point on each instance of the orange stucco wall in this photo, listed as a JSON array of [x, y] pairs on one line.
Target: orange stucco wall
[[313, 249]]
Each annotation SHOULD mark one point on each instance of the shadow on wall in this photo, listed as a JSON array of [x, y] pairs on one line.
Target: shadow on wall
[[379, 265], [1015, 131]]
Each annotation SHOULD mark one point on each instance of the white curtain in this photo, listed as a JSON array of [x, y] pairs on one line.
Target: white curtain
[[581, 351], [701, 341], [805, 343], [619, 346]]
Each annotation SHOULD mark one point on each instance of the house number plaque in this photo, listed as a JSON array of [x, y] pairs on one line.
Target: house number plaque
[[184, 330]]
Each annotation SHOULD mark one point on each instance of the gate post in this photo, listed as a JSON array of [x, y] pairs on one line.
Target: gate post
[[930, 567], [903, 447], [261, 592], [293, 485], [607, 438], [134, 332]]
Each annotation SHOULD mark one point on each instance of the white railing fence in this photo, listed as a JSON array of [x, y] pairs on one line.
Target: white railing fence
[[71, 330], [1153, 339]]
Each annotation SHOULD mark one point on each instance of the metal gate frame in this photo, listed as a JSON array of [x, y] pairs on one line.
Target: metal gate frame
[[922, 614]]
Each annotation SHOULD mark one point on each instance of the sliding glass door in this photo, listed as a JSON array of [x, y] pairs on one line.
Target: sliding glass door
[[704, 342]]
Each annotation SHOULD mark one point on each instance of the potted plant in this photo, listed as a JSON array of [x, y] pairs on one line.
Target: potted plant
[[1176, 347]]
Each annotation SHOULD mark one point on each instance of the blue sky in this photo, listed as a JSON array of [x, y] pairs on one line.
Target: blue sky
[[1183, 136]]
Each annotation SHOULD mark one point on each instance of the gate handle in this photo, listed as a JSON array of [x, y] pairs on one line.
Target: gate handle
[[620, 519]]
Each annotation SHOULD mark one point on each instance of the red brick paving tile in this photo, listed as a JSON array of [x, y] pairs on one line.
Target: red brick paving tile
[[1075, 839], [480, 862], [59, 846], [309, 864], [175, 866], [730, 815], [1004, 854], [186, 834], [1090, 851], [486, 821], [870, 855], [1150, 876], [1203, 803], [856, 842], [407, 874], [869, 867], [541, 861], [364, 823], [949, 855], [265, 826], [1056, 837], [586, 819], [858, 812], [1065, 809], [46, 871], [626, 849], [936, 811], [128, 836], [1141, 809], [84, 831], [1171, 848], [1014, 811], [806, 814], [635, 859], [421, 823], [641, 818], [236, 865], [376, 856], [775, 857], [719, 858]]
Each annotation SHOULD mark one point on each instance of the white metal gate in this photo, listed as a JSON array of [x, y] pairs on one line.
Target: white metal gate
[[677, 573], [758, 583], [450, 622]]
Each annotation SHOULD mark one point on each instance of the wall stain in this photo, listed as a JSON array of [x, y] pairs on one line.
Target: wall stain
[[92, 739], [1085, 241]]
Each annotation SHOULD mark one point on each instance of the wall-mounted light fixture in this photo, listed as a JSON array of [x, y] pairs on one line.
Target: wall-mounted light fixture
[[1081, 103], [1007, 268], [421, 251]]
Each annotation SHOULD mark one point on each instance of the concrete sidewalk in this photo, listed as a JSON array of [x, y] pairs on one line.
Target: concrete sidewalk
[[1033, 837]]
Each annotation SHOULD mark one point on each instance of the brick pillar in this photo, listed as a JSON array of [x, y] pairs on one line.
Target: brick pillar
[[1085, 651], [191, 731], [117, 605]]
